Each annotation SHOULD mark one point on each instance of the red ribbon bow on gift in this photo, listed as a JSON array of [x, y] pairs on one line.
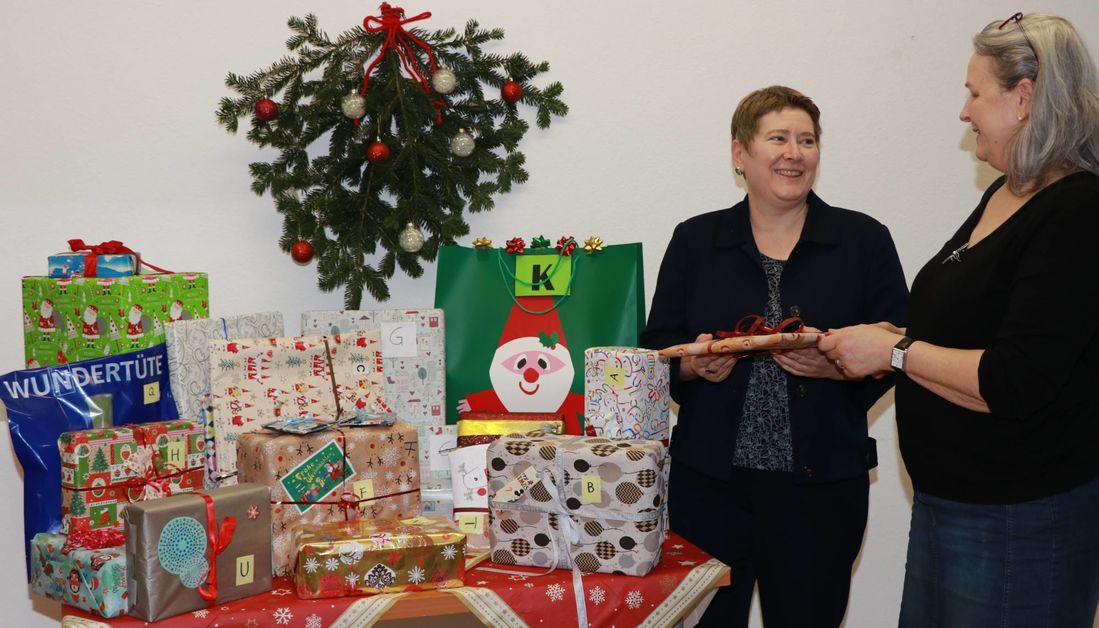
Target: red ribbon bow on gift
[[398, 39], [515, 246], [218, 543], [110, 247], [754, 325], [566, 245]]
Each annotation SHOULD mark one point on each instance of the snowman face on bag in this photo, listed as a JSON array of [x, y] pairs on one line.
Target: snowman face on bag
[[530, 377]]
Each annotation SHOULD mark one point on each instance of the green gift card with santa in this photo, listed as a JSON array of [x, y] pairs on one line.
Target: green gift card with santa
[[519, 319]]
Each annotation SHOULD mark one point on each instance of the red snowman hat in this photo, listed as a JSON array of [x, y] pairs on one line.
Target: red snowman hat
[[524, 323]]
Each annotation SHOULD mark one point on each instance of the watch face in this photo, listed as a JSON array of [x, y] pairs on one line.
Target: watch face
[[897, 360]]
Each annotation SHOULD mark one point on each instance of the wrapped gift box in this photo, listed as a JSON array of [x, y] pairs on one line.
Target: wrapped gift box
[[188, 344], [90, 579], [103, 470], [174, 568], [383, 556], [468, 470], [332, 475], [106, 265], [611, 492], [478, 428], [70, 319], [626, 393], [260, 380], [414, 364]]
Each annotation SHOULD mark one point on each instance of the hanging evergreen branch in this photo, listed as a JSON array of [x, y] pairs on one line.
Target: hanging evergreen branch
[[347, 196]]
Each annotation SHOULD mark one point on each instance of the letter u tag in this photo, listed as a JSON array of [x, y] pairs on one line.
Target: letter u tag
[[245, 569]]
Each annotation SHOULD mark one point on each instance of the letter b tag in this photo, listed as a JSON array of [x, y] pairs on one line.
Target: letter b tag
[[591, 489]]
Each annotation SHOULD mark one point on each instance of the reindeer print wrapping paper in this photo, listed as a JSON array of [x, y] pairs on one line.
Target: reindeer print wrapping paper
[[353, 472], [592, 502], [260, 380]]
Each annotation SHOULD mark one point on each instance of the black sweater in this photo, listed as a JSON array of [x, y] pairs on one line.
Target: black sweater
[[1028, 294]]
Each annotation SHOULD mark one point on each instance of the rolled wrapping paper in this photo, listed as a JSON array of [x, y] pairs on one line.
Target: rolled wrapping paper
[[626, 393], [383, 556], [744, 344]]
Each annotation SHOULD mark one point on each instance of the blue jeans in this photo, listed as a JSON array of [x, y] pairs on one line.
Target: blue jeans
[[1032, 565]]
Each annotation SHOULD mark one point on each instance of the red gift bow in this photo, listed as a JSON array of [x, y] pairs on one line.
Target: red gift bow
[[753, 325], [93, 539], [209, 591], [566, 245], [397, 38], [515, 246], [110, 247]]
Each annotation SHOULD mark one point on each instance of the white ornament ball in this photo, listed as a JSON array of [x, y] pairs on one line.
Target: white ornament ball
[[462, 144], [411, 238], [444, 81], [353, 106]]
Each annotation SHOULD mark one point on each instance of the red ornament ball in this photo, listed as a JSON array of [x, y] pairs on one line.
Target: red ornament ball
[[512, 91], [302, 252], [266, 110], [377, 152]]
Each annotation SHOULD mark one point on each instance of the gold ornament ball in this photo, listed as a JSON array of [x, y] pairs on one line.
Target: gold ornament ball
[[444, 81], [462, 144], [353, 106], [411, 238]]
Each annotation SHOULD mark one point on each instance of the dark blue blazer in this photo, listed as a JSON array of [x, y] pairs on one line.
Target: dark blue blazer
[[843, 271]]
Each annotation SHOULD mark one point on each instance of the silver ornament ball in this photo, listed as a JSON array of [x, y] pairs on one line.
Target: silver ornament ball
[[444, 81], [353, 106], [462, 144], [411, 238]]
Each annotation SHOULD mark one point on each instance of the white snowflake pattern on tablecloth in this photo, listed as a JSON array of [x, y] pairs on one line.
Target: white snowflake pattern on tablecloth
[[555, 592], [517, 578], [529, 585], [283, 616], [480, 582], [313, 621], [687, 563], [677, 546], [281, 592], [449, 552], [331, 564], [251, 623], [634, 600], [416, 575], [311, 564], [596, 595], [201, 613], [352, 579]]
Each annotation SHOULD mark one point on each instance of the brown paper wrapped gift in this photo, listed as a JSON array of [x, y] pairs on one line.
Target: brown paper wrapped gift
[[332, 475], [188, 552]]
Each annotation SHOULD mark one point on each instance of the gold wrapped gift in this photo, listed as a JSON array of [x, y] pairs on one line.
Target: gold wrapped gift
[[477, 428], [363, 557]]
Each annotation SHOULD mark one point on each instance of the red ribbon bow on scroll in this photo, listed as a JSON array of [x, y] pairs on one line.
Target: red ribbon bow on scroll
[[753, 325], [218, 543], [399, 40], [110, 247]]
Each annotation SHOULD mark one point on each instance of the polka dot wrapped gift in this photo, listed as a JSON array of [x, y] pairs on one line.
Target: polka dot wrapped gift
[[590, 502]]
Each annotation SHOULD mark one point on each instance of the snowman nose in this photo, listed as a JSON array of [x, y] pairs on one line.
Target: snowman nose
[[530, 375]]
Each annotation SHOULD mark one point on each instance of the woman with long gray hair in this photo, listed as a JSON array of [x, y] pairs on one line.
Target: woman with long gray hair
[[996, 407]]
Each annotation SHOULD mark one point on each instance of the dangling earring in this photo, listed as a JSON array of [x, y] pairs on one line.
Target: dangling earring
[[737, 170]]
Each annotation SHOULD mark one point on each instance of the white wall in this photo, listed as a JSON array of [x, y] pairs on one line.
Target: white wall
[[107, 131]]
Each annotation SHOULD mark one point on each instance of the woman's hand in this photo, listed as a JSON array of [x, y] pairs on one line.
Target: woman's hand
[[712, 368], [861, 350], [807, 362]]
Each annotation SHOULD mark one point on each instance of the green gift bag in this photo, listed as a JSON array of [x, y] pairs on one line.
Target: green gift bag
[[518, 324]]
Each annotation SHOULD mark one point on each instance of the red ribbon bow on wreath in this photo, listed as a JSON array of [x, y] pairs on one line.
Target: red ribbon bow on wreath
[[398, 39], [110, 247]]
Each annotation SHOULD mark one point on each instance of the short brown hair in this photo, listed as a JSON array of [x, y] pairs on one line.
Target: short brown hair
[[768, 100]]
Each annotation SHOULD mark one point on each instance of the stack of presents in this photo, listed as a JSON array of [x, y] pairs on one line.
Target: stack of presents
[[187, 459]]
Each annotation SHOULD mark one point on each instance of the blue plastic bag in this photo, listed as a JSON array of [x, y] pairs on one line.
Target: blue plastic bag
[[43, 403]]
